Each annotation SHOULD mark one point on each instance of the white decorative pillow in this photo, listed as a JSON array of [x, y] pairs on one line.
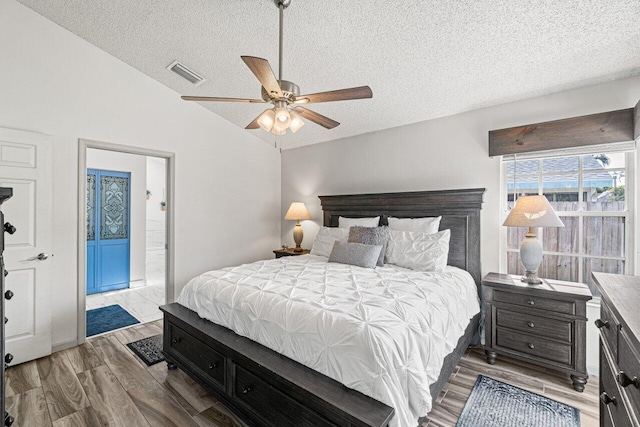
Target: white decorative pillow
[[347, 223], [325, 239], [418, 251], [428, 225]]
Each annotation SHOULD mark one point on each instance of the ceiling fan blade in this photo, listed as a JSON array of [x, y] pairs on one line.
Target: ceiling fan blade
[[262, 70], [254, 124], [319, 119], [336, 95], [218, 99]]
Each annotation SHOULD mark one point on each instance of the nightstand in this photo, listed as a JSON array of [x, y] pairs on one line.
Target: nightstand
[[541, 324], [289, 252]]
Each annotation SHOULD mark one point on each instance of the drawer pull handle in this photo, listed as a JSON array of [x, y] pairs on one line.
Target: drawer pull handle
[[531, 302], [531, 346], [625, 381], [606, 399], [176, 340], [213, 365], [530, 324], [602, 323], [246, 390]]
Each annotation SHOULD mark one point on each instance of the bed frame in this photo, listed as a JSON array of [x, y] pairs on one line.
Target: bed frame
[[265, 388]]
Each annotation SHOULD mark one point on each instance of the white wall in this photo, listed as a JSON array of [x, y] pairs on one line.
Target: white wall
[[445, 153], [137, 166], [227, 180]]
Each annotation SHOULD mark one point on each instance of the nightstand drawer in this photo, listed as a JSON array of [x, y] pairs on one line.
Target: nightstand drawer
[[558, 306], [535, 325], [534, 346]]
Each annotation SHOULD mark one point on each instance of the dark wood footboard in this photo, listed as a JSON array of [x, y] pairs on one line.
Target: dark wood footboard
[[263, 387]]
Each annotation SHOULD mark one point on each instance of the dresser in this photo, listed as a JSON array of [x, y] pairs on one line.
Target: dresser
[[619, 325], [542, 324]]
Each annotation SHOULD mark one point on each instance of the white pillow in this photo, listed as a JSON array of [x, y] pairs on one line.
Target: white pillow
[[418, 251], [428, 225], [325, 239], [362, 222]]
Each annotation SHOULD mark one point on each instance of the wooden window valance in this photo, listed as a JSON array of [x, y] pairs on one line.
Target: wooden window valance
[[594, 129]]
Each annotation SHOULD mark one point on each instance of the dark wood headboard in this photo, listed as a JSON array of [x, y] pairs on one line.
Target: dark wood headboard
[[460, 211]]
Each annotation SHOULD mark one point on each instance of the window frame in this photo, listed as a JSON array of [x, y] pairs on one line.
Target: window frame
[[628, 213]]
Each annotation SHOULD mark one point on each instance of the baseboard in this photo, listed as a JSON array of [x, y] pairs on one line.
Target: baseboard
[[63, 345]]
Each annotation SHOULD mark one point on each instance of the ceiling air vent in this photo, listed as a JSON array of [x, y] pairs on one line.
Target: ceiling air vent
[[185, 73]]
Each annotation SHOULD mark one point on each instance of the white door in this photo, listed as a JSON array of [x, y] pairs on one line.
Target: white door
[[25, 166]]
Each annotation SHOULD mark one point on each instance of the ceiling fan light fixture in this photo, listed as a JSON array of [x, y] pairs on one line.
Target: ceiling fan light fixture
[[283, 117], [296, 122], [279, 129], [267, 119]]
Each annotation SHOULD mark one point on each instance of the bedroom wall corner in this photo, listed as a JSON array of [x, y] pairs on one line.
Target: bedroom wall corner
[[227, 181]]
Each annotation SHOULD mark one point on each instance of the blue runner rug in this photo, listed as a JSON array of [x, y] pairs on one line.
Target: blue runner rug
[[105, 319], [493, 403]]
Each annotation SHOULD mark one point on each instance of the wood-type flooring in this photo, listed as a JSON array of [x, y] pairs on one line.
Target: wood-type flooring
[[102, 383]]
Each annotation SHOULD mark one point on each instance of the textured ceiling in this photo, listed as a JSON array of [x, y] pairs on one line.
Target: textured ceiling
[[422, 58]]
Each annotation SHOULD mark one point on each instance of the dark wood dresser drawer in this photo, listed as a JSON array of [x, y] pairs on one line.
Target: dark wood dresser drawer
[[534, 346], [535, 325], [558, 306], [209, 361], [272, 404], [609, 328], [610, 395], [628, 376]]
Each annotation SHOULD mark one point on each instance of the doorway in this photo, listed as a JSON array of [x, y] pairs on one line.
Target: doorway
[[126, 260]]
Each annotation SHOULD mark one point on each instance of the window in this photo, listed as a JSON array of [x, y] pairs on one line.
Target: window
[[591, 192]]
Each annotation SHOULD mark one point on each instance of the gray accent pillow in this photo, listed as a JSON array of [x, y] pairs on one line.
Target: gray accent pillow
[[355, 254], [371, 236]]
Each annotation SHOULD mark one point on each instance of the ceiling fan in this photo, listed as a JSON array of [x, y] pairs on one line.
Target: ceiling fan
[[285, 95]]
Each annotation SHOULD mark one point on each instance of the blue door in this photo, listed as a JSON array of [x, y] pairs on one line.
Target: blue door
[[108, 260]]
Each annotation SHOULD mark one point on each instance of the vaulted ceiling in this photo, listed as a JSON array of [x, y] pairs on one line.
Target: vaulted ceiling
[[423, 59]]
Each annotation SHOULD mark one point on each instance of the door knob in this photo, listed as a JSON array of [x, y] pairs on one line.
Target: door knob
[[8, 295], [40, 257], [9, 228]]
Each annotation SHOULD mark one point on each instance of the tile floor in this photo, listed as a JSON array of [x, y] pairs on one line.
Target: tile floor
[[142, 303]]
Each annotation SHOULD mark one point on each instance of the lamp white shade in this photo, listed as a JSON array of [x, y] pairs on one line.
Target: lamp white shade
[[297, 212], [532, 211]]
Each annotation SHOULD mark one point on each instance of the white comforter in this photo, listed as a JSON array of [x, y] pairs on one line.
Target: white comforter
[[384, 332]]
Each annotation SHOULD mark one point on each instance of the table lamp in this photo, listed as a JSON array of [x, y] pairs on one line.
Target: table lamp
[[297, 212], [532, 212]]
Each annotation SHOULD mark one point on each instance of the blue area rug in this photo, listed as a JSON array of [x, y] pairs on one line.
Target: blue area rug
[[493, 403], [105, 319]]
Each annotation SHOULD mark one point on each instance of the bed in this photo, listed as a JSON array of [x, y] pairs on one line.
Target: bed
[[265, 387]]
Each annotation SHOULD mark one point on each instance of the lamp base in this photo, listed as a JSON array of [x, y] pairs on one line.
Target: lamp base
[[531, 278], [297, 237]]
